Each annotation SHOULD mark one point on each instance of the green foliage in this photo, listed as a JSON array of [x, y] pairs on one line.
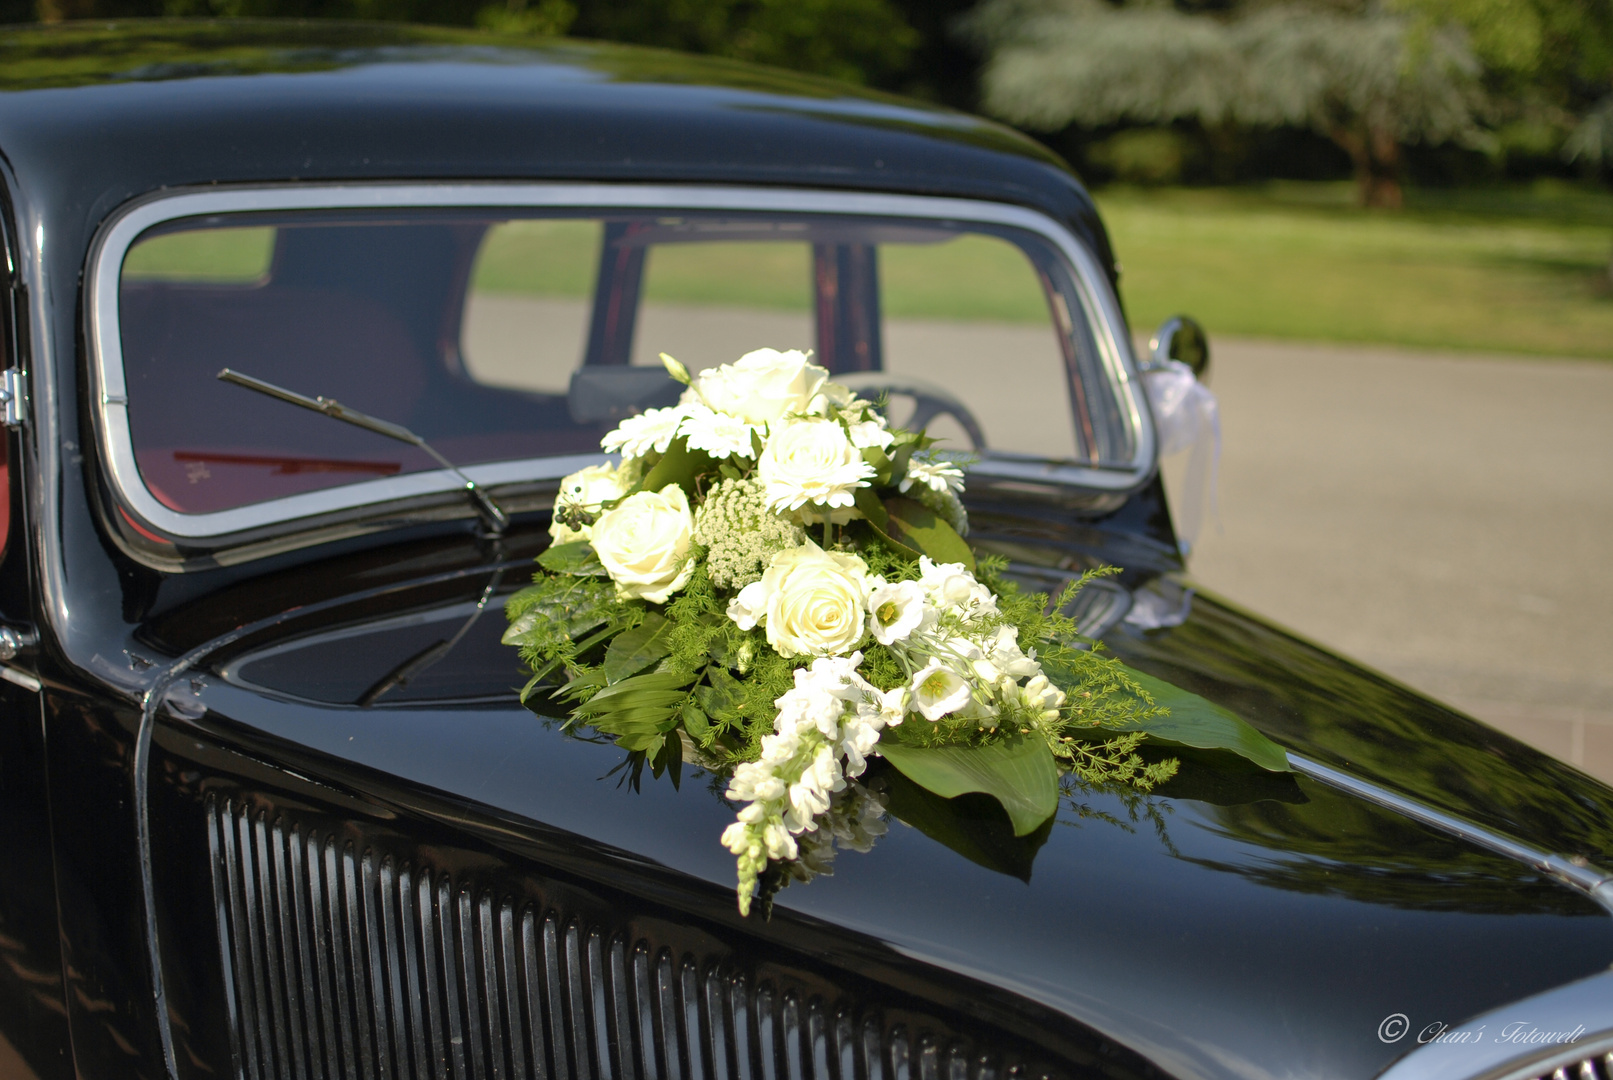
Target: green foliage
[[633, 650], [855, 40], [576, 558], [1362, 78]]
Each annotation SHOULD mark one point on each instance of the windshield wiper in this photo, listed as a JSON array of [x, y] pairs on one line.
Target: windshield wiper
[[492, 515]]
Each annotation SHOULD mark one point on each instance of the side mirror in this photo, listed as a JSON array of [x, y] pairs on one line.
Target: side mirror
[[1180, 337]]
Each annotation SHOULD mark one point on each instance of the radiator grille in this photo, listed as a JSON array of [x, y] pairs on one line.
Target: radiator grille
[[343, 961], [1591, 1068]]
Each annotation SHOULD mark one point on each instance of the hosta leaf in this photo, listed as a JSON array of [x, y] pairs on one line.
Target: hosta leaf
[[1195, 721], [916, 526], [634, 650], [576, 557], [1018, 772]]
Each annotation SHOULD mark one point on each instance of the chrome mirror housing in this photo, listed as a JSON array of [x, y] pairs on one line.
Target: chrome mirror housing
[[1180, 337]]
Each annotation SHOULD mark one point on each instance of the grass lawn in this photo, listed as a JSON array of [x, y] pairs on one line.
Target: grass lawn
[[1496, 270]]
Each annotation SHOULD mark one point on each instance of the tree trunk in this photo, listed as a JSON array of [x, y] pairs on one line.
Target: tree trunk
[[1375, 159]]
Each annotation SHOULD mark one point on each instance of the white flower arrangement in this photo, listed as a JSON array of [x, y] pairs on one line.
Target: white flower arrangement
[[774, 581]]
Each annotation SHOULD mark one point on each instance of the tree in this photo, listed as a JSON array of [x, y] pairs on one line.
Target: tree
[[862, 41], [1363, 79]]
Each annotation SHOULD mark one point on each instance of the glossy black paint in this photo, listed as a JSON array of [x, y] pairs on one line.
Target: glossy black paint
[[1190, 926], [1222, 929]]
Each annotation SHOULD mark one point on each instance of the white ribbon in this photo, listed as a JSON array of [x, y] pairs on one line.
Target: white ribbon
[[1186, 418]]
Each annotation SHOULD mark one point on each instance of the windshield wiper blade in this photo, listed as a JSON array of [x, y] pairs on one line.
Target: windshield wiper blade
[[492, 515]]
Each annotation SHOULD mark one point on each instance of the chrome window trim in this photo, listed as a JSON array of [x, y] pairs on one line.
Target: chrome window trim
[[1100, 307]]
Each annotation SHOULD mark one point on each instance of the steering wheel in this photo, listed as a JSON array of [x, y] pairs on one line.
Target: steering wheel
[[929, 400]]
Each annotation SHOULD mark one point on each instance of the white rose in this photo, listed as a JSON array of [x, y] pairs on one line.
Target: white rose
[[810, 600], [644, 544], [584, 492], [811, 462], [762, 386]]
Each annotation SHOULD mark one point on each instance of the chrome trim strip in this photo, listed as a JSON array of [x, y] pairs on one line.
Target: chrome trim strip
[[1496, 1048], [1591, 880], [20, 678], [111, 391]]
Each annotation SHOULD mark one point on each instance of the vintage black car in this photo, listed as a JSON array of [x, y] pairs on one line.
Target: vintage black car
[[269, 804]]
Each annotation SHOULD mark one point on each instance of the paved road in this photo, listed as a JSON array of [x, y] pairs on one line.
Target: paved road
[[1445, 519]]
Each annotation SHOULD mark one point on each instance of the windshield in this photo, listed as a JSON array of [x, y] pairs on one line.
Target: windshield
[[504, 336]]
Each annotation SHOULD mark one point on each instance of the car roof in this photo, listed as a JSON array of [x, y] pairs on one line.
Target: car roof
[[92, 115]]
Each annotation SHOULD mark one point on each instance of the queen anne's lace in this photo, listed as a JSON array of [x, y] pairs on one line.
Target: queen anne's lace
[[740, 534]]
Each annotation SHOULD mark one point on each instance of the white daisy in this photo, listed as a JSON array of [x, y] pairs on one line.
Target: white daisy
[[652, 429]]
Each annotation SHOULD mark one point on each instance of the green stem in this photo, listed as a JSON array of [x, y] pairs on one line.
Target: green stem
[[828, 526]]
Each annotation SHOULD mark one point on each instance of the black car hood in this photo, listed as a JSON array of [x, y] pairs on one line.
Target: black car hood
[[1234, 923]]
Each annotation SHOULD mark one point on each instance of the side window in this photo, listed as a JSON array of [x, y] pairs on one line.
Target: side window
[[710, 303], [970, 315], [527, 309]]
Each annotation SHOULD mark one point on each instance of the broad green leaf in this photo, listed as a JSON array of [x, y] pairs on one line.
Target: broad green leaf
[[881, 463], [1018, 772], [576, 557], [973, 825], [872, 508], [679, 465], [723, 697], [878, 519], [634, 650], [1194, 721], [917, 526], [694, 720]]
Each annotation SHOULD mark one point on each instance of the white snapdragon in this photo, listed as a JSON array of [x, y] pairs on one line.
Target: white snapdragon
[[871, 432], [824, 729], [951, 587]]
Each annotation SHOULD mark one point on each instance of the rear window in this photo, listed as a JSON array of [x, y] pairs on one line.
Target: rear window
[[506, 337]]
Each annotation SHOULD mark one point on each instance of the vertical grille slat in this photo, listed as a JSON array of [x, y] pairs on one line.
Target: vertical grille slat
[[413, 969], [349, 959], [357, 962], [280, 856], [450, 977], [256, 966], [297, 860], [271, 944]]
